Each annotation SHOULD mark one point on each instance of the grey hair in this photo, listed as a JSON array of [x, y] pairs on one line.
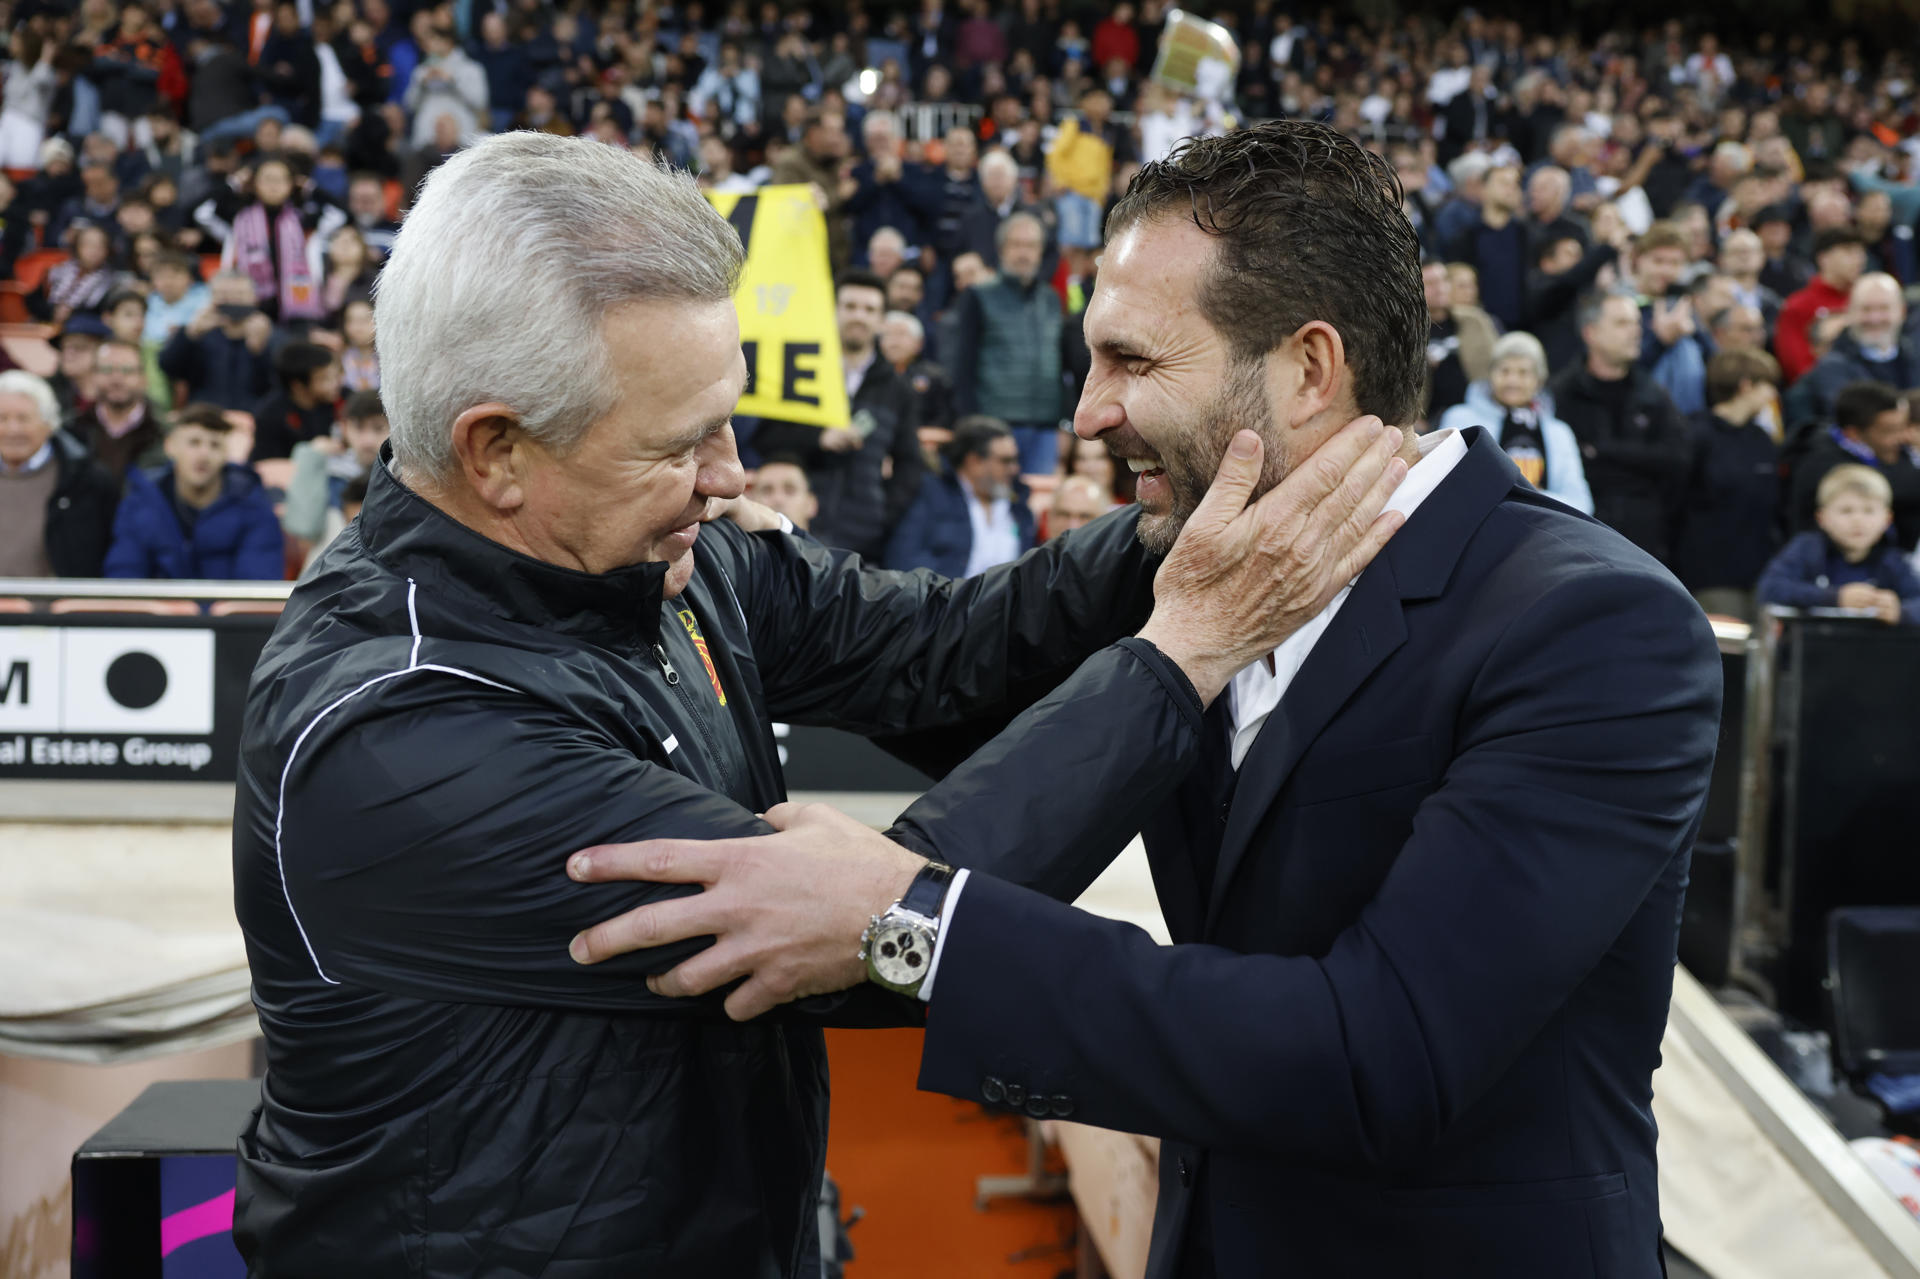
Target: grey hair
[[1520, 346], [501, 276], [908, 319], [35, 388], [997, 159], [1006, 225]]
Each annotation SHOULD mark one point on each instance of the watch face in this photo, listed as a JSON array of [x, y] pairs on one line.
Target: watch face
[[901, 953]]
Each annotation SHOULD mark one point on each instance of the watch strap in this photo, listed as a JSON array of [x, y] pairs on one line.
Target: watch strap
[[928, 891]]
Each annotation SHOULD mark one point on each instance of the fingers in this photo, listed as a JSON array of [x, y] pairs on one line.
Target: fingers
[[645, 927], [656, 861], [1232, 484], [1360, 492], [1322, 473]]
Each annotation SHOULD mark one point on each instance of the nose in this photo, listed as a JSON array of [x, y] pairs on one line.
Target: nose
[[721, 474], [1098, 411]]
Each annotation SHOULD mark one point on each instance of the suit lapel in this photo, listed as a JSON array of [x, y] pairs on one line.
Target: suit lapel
[[1369, 629]]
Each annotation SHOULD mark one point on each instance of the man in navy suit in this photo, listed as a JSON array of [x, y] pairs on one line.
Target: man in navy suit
[[1422, 863]]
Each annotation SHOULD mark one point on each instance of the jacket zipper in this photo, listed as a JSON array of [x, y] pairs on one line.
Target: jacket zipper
[[714, 752]]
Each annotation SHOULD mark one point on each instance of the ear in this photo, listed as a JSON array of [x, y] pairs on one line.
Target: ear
[[1320, 358], [492, 453]]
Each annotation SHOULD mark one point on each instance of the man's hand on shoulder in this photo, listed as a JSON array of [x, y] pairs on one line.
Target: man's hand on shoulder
[[786, 911], [1243, 577]]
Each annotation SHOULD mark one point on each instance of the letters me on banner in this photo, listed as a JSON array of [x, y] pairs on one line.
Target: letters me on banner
[[788, 329]]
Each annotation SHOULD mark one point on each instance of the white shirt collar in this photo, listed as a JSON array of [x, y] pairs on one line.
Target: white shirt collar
[[1256, 690], [33, 464]]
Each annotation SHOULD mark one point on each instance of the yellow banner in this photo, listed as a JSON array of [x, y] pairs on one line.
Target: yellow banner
[[787, 324]]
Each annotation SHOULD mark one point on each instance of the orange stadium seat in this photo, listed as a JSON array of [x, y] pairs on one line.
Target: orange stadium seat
[[32, 267], [209, 265], [13, 304], [157, 608]]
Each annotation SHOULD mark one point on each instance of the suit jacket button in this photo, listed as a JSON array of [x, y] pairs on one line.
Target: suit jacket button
[[1038, 1106], [1016, 1093], [1184, 1170], [1226, 810], [1062, 1105], [992, 1089]]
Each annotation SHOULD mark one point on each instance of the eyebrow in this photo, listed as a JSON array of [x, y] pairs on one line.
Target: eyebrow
[[693, 435]]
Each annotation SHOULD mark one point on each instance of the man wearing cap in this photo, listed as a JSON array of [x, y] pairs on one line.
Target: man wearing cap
[[1838, 259]]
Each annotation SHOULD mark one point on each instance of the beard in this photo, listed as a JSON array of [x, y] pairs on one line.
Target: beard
[[1194, 450]]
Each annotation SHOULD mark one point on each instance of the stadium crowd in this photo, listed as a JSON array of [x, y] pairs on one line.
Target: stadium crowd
[[1670, 271]]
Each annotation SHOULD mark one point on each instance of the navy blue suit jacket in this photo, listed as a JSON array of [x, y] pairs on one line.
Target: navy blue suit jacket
[[1411, 1029]]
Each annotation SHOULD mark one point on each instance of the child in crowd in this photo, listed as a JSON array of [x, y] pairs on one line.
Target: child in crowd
[[323, 468], [1848, 562], [359, 363]]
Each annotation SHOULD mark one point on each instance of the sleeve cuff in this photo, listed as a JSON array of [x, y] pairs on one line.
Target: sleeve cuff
[[940, 941]]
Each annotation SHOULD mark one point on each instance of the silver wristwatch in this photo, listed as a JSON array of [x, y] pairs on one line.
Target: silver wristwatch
[[898, 944]]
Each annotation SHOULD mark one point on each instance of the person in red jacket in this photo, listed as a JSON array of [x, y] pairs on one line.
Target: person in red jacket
[[1839, 256], [1115, 38]]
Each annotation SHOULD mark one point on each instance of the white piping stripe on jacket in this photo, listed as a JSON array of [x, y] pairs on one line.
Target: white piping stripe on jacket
[[280, 810]]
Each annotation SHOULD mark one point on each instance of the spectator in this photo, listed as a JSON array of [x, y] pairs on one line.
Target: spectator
[[78, 347], [81, 283], [716, 169], [1469, 116], [1730, 526], [956, 187], [1847, 561], [1564, 271], [732, 88], [972, 514], [1870, 427], [1872, 348], [1742, 259], [221, 354], [96, 204], [1549, 193], [199, 517], [56, 502], [289, 68], [349, 273], [1468, 176], [1459, 343], [817, 161], [509, 71], [1463, 284], [1080, 164], [1669, 348], [367, 211], [1838, 259], [1508, 406], [1497, 248], [886, 252], [1889, 246], [1000, 200], [325, 465], [1634, 444], [1006, 355], [901, 340], [781, 483], [1077, 502], [359, 359], [177, 297], [127, 70], [303, 408], [121, 429], [447, 83], [29, 90], [1783, 270], [860, 498]]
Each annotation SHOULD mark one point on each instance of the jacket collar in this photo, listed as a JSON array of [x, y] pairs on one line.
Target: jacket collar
[[1416, 565], [423, 543]]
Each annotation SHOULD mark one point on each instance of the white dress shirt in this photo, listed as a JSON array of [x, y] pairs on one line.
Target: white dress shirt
[[1258, 688], [996, 538], [1255, 691]]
